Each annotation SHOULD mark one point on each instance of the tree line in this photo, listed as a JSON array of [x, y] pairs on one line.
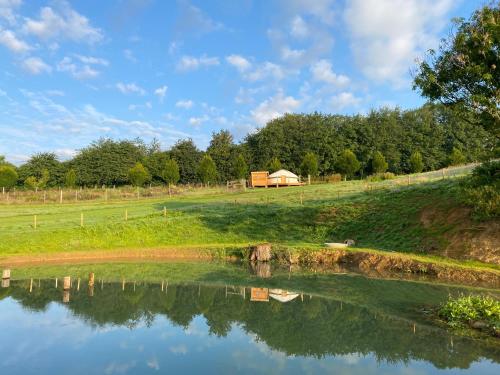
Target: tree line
[[385, 140]]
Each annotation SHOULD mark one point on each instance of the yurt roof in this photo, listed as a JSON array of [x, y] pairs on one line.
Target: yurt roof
[[283, 172]]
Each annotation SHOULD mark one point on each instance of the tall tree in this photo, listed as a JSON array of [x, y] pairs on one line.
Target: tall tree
[[221, 150], [456, 157], [8, 176], [138, 175], [274, 165], [309, 165], [379, 165], [465, 71], [240, 168], [40, 164], [70, 178], [207, 171], [348, 163], [416, 162], [187, 156], [170, 172]]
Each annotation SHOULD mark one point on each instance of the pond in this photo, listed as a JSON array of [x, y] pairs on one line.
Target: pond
[[212, 318]]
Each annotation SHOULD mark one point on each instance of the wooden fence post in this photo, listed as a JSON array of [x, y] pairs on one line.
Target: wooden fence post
[[60, 196], [6, 274], [126, 214], [408, 180], [81, 219]]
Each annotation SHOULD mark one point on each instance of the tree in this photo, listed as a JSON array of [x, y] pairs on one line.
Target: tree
[[274, 165], [187, 156], [348, 164], [31, 183], [8, 176], [465, 71], [138, 175], [207, 171], [379, 165], [170, 172], [309, 165], [240, 168], [416, 162], [456, 157], [70, 178], [221, 150], [45, 167]]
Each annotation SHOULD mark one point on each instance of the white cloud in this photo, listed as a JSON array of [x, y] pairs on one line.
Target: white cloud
[[64, 23], [274, 107], [197, 121], [192, 19], [35, 65], [343, 100], [387, 35], [188, 63], [12, 42], [7, 8], [77, 71], [129, 55], [239, 62], [298, 28], [130, 88], [267, 70], [292, 54], [161, 92], [186, 104], [322, 71], [321, 9], [90, 60]]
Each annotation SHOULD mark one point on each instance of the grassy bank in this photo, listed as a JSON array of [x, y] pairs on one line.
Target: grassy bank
[[383, 216]]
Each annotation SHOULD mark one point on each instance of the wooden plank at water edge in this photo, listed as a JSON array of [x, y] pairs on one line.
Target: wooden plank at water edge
[[259, 294], [6, 274]]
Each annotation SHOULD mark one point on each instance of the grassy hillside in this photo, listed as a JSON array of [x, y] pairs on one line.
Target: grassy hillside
[[385, 215]]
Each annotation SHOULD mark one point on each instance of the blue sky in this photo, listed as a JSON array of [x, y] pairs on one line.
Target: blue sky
[[75, 71]]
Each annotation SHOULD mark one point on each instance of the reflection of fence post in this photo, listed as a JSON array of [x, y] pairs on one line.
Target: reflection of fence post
[[31, 285], [67, 282]]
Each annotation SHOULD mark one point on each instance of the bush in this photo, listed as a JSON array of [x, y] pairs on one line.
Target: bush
[[8, 176], [482, 190], [475, 311], [381, 177], [333, 178], [389, 176]]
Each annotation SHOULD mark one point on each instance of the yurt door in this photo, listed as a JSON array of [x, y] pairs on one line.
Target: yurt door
[[283, 179]]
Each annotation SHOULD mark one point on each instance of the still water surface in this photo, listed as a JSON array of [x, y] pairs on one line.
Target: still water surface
[[224, 320]]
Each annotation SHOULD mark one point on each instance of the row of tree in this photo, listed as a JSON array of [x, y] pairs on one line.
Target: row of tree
[[392, 140]]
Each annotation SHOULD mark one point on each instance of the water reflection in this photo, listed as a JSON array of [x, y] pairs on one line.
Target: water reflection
[[296, 327]]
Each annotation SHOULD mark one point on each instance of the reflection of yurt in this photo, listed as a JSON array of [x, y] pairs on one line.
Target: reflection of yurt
[[283, 177], [282, 295]]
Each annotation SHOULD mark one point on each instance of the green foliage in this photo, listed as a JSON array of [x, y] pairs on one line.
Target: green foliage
[[8, 176], [333, 178], [379, 165], [221, 150], [347, 163], [31, 183], [466, 310], [309, 165], [416, 162], [240, 168], [381, 177], [138, 175], [107, 162], [207, 171], [45, 168], [70, 178], [187, 156], [482, 190], [273, 165], [456, 157], [170, 173], [464, 73]]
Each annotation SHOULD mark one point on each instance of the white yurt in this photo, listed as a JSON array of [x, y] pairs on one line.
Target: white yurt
[[283, 177]]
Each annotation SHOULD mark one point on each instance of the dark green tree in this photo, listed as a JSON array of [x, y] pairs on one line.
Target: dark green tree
[[207, 171], [416, 162], [274, 165], [457, 157], [309, 165], [465, 71], [70, 178], [170, 173], [240, 168], [221, 150], [8, 176], [348, 164], [379, 165], [45, 167], [187, 156], [138, 175]]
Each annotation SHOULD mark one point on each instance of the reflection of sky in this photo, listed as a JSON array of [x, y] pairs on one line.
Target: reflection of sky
[[55, 342]]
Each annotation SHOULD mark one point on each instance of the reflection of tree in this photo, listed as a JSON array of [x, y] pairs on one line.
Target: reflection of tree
[[315, 327]]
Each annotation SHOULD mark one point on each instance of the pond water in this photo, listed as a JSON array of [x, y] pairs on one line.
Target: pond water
[[222, 319]]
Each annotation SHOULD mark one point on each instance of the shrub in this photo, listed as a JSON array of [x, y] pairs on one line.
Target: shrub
[[476, 311], [8, 176], [333, 178], [389, 176], [416, 162], [482, 190], [381, 177], [31, 183], [379, 165], [138, 175]]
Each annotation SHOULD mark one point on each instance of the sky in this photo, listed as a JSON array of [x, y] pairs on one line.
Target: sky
[[72, 72]]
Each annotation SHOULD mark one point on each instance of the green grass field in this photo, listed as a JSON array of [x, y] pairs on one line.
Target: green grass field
[[382, 216]]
